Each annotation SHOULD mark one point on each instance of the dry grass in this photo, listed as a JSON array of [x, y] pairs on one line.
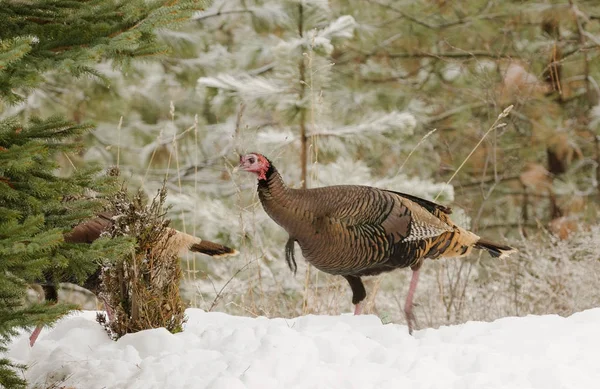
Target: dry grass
[[450, 291], [143, 288], [548, 276]]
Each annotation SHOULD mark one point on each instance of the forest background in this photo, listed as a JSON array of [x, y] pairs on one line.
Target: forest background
[[397, 94]]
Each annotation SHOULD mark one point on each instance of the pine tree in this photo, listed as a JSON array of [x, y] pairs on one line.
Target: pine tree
[[34, 214], [458, 65], [38, 205]]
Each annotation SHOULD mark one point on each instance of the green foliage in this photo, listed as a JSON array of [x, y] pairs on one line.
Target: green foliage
[[33, 217], [38, 204], [72, 36]]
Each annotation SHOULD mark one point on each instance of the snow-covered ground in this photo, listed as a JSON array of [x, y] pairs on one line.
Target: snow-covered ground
[[220, 351]]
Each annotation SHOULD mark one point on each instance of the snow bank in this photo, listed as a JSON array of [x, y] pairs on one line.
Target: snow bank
[[220, 351]]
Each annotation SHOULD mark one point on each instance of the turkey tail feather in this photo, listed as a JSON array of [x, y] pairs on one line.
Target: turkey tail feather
[[496, 250], [212, 249]]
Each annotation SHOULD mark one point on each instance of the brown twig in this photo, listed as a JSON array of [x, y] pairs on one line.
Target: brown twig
[[454, 55], [461, 21], [222, 13], [220, 292], [486, 181]]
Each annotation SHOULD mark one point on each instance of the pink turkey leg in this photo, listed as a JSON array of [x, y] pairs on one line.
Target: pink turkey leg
[[357, 309], [410, 317], [34, 335]]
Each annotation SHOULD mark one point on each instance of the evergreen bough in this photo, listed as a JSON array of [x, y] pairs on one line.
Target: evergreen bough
[[37, 205]]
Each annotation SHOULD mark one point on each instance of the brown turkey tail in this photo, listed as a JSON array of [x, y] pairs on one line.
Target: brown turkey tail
[[182, 242], [212, 249], [496, 250]]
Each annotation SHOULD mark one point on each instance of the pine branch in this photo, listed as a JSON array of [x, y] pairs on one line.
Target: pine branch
[[73, 36]]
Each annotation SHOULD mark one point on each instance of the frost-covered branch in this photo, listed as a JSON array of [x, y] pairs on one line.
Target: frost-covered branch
[[393, 121]]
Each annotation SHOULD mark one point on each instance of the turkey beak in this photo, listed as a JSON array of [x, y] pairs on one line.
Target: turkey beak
[[239, 166], [236, 168]]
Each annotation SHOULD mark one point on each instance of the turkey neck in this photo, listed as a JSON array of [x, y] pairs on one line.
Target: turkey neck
[[287, 207]]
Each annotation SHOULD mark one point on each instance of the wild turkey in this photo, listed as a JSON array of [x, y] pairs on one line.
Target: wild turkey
[[356, 231], [89, 231]]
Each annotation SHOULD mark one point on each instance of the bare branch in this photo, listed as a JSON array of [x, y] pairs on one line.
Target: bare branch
[[489, 180], [220, 293], [465, 20], [222, 13], [454, 54]]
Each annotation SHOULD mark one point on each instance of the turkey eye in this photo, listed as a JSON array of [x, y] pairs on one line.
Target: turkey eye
[[251, 160]]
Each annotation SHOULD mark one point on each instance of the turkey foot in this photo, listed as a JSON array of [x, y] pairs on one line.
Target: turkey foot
[[408, 313], [357, 309]]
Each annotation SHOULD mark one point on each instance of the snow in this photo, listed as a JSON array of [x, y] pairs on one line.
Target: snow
[[217, 350]]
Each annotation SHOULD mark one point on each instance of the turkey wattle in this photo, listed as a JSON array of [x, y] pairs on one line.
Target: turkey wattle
[[354, 231]]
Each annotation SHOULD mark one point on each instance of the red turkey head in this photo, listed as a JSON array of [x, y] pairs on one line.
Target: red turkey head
[[255, 163]]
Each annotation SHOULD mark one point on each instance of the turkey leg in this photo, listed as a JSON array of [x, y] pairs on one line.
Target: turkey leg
[[358, 292], [46, 292], [34, 335], [41, 295], [410, 317]]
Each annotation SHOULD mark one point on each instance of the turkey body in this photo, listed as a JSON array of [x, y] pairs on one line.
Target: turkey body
[[356, 231], [89, 231], [180, 242], [361, 230]]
